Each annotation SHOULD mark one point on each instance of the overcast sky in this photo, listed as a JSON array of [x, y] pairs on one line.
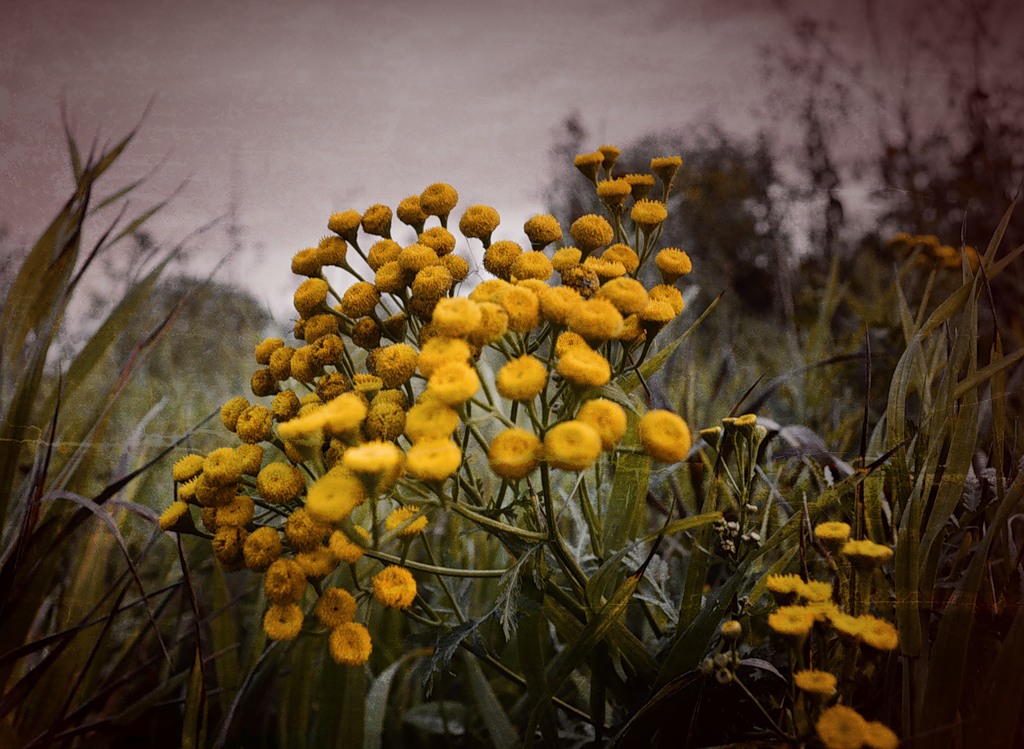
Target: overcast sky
[[300, 109]]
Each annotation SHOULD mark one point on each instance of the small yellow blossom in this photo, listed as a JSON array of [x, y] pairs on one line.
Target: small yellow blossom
[[283, 622], [441, 350], [817, 591], [238, 512], [284, 581], [345, 224], [627, 294], [411, 213], [877, 633], [673, 264], [231, 410], [453, 383], [542, 229], [498, 258], [170, 517], [597, 320], [343, 548], [433, 459], [648, 214], [265, 348], [665, 436], [394, 587], [614, 192], [533, 264], [880, 736], [478, 222], [311, 296], [833, 534], [398, 516], [785, 586], [394, 364], [815, 682], [377, 220], [222, 467], [668, 294], [416, 257], [641, 184], [591, 232], [336, 606], [304, 531], [841, 727], [522, 307], [865, 554], [373, 458], [254, 424], [381, 253], [262, 548], [589, 164], [583, 366], [350, 644], [333, 496], [187, 467], [432, 283], [439, 199], [359, 300], [792, 621], [430, 420], [522, 379], [666, 167], [572, 445], [439, 239], [566, 258], [607, 417], [514, 453]]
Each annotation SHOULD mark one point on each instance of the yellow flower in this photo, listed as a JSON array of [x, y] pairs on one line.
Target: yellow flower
[[382, 253], [568, 340], [416, 257], [583, 366], [366, 384], [492, 327], [633, 331], [880, 736], [307, 262], [817, 591], [231, 410], [641, 184], [792, 621], [572, 445], [439, 199], [848, 626], [589, 164], [832, 534], [304, 531], [265, 348], [333, 496], [607, 417], [331, 251], [613, 191], [350, 644], [209, 495], [281, 363], [590, 232], [624, 255], [815, 682], [514, 453], [377, 220], [542, 229], [169, 518], [319, 326], [604, 268], [359, 300], [666, 167], [396, 517], [597, 320], [343, 549], [341, 415], [453, 382], [648, 214], [533, 264], [673, 264], [668, 294], [238, 512], [227, 544], [478, 222], [433, 459], [432, 282], [373, 459], [390, 278], [784, 586], [558, 303], [841, 727], [394, 587], [284, 581], [310, 296], [187, 467], [439, 239], [410, 212], [665, 436], [441, 350], [611, 154], [522, 307], [394, 364], [456, 317], [254, 424], [498, 258], [303, 367], [283, 622], [627, 294], [222, 467], [345, 224], [336, 606], [866, 554], [263, 383], [522, 379], [456, 266], [877, 633], [732, 630], [262, 548], [318, 562], [566, 258]]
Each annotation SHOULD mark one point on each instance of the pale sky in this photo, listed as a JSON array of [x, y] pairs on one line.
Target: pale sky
[[304, 108]]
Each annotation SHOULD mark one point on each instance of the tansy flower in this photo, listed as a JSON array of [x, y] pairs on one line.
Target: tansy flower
[[381, 253], [604, 268], [416, 257], [396, 517], [303, 531], [568, 340], [880, 736], [283, 622], [522, 307], [430, 420], [558, 303], [673, 264], [394, 587], [336, 606], [281, 363], [785, 587], [668, 294], [627, 294], [433, 459], [303, 366], [169, 518], [605, 416], [213, 496], [572, 445], [664, 436], [342, 415], [331, 251], [411, 213], [319, 326], [633, 330], [478, 222], [583, 366], [394, 364], [373, 459], [343, 549], [818, 591], [613, 192], [187, 467], [333, 496], [307, 262], [332, 385], [345, 224], [359, 300], [439, 239], [262, 548], [238, 513], [597, 320], [815, 682], [453, 383], [833, 534], [533, 264], [514, 453], [624, 255], [284, 581], [365, 384], [542, 229], [438, 200], [350, 644], [265, 348], [432, 282], [841, 727], [390, 278], [492, 326], [666, 167], [847, 626], [589, 164], [498, 258], [227, 544], [310, 296], [877, 633], [385, 421], [441, 350], [641, 184], [792, 621], [318, 562], [866, 554], [590, 232], [263, 383], [522, 379], [566, 258], [394, 327], [222, 467], [377, 220], [231, 410], [611, 154], [648, 214], [254, 424], [456, 316], [366, 334], [457, 267]]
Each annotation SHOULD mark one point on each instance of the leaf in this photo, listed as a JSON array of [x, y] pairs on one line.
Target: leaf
[[193, 729], [377, 700], [499, 727], [508, 599]]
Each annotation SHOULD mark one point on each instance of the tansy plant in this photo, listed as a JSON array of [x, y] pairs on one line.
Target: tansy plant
[[410, 444]]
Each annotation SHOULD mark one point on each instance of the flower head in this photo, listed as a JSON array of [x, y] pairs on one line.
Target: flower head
[[284, 581], [566, 258], [627, 294], [439, 239], [605, 416], [665, 436], [343, 549], [350, 644], [597, 320], [439, 199], [522, 379], [572, 445], [648, 214], [333, 496], [283, 621], [534, 264], [396, 517], [478, 222], [591, 232], [359, 300], [262, 548], [430, 420], [841, 727], [880, 736], [433, 458], [498, 258], [542, 229], [187, 467], [231, 410], [832, 534], [336, 606], [815, 682], [394, 364], [641, 184], [865, 554], [589, 164], [514, 453], [583, 366], [673, 264], [666, 167], [792, 621], [411, 213], [454, 382], [394, 587], [522, 307], [614, 192]]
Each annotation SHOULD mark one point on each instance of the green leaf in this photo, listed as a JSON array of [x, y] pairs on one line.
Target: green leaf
[[499, 727]]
